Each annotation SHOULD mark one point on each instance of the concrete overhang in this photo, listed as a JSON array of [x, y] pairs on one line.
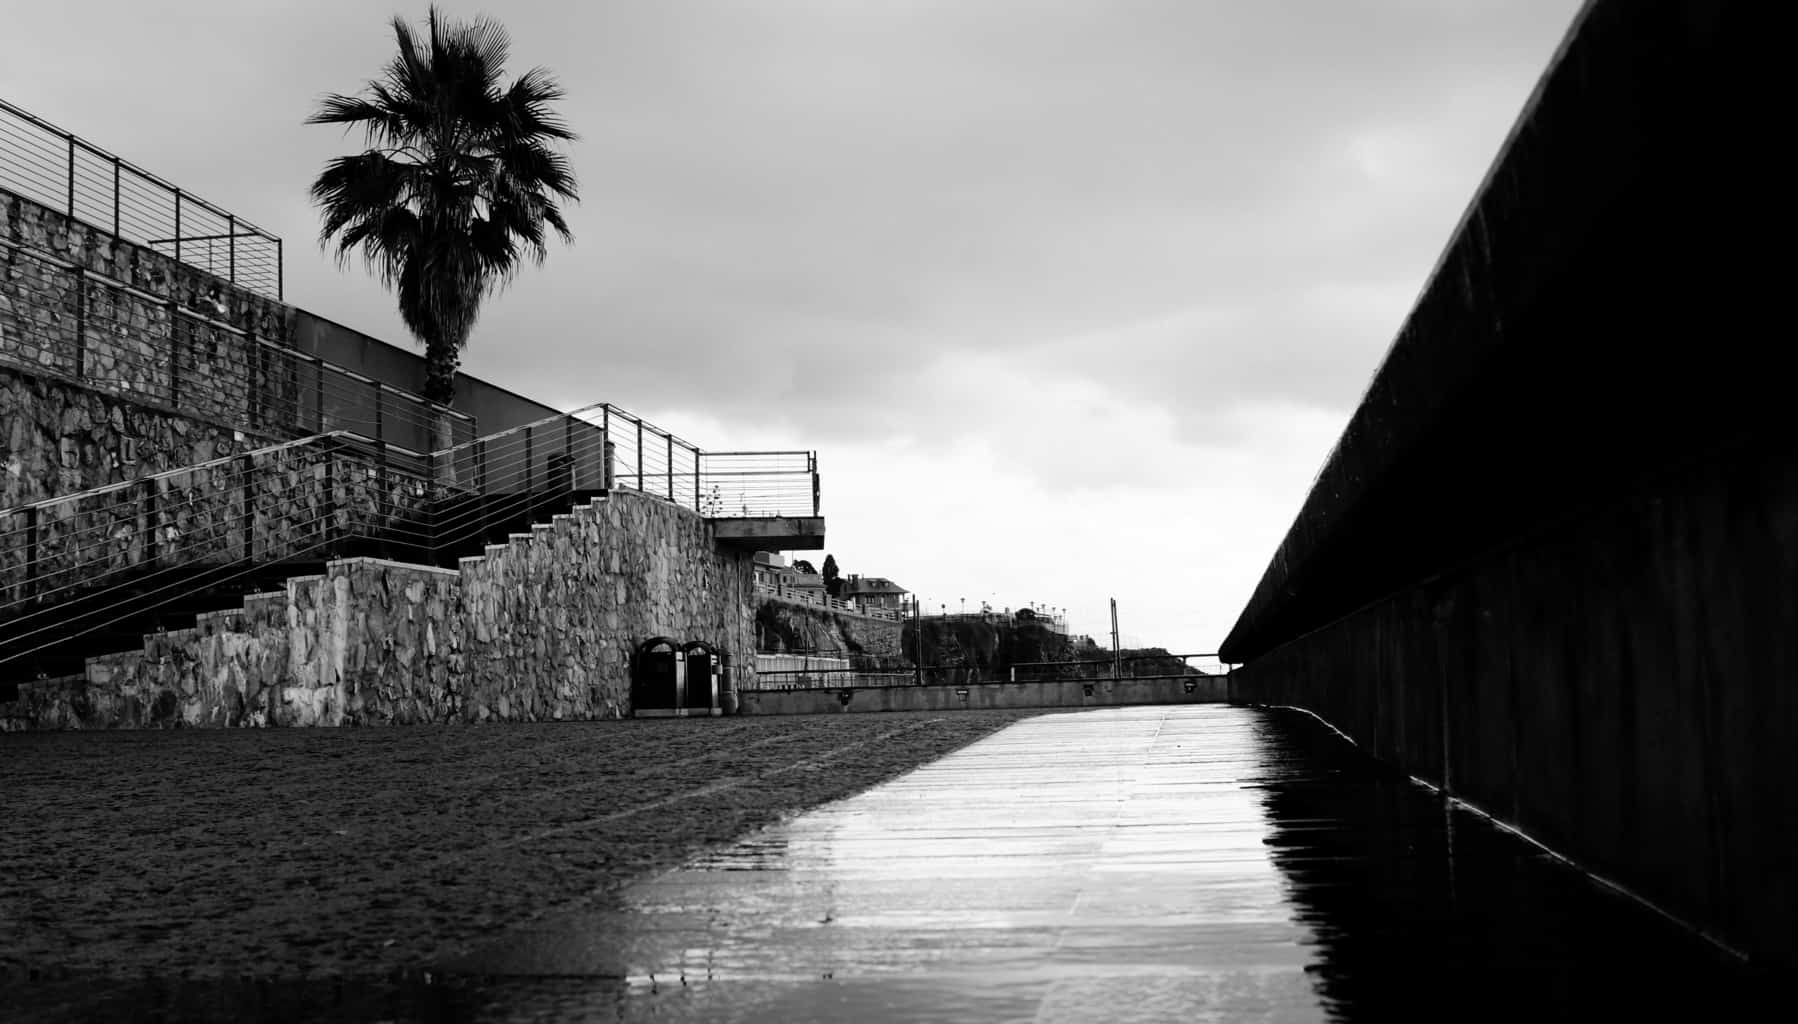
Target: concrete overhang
[[771, 533], [1595, 318]]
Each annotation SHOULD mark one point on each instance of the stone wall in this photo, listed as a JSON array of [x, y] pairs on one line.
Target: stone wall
[[811, 629], [289, 502], [61, 437], [117, 362], [541, 628], [77, 304]]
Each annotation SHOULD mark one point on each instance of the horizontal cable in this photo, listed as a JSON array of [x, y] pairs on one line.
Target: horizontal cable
[[185, 584]]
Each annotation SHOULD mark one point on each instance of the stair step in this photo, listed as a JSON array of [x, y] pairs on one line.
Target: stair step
[[178, 598]]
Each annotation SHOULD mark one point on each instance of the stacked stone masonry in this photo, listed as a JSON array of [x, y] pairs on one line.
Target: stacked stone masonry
[[79, 304], [117, 362], [288, 503], [539, 629], [62, 438]]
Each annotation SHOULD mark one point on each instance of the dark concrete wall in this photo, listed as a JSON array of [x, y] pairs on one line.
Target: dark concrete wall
[[1602, 310], [1620, 688], [493, 407], [1552, 563]]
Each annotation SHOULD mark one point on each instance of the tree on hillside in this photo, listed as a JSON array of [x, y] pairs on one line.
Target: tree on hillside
[[459, 186], [833, 583], [801, 565]]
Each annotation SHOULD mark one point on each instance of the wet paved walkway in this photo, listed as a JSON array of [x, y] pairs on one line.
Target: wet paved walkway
[[1188, 863], [1193, 863]]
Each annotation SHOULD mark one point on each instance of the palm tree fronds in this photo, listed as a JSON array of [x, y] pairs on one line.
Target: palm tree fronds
[[464, 185]]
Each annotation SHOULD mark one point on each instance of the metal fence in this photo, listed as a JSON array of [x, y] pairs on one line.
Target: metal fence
[[1124, 666], [81, 325], [719, 485], [85, 563], [827, 679], [61, 170]]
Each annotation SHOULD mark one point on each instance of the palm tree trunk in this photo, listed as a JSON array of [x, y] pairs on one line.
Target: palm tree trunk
[[441, 361]]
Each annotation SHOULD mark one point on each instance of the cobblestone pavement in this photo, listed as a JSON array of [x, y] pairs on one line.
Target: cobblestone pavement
[[287, 854]]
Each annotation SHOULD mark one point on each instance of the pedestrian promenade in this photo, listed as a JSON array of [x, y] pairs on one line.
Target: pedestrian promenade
[[1181, 863], [1208, 863]]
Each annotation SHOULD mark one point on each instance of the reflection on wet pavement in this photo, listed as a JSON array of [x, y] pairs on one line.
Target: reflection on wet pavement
[[1204, 863], [1190, 863]]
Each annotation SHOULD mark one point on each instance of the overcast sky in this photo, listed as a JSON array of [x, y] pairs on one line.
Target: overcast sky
[[1072, 298]]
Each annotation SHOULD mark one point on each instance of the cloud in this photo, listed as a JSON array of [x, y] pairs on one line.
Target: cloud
[[1068, 294]]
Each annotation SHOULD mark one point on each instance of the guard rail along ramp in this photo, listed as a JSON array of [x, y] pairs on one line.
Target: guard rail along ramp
[[151, 349], [108, 564]]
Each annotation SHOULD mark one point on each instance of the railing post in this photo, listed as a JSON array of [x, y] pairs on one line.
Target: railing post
[[380, 416], [280, 273], [252, 393], [174, 355], [639, 455], [696, 457], [812, 461], [328, 526], [115, 197], [71, 177], [80, 322], [381, 480], [671, 467], [318, 388], [31, 567], [231, 243], [151, 540], [177, 224], [247, 506]]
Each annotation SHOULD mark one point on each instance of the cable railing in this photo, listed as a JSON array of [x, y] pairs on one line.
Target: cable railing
[[825, 679], [718, 485], [104, 558], [65, 320], [1125, 666], [85, 563], [64, 172]]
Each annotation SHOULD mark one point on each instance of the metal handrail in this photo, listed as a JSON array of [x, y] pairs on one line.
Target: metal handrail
[[787, 680], [49, 165], [114, 559], [719, 485], [169, 474], [262, 383]]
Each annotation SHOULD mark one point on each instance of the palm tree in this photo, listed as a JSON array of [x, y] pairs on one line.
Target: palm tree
[[458, 187]]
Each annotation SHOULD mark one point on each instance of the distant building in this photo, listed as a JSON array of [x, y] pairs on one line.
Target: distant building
[[874, 592], [773, 574]]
